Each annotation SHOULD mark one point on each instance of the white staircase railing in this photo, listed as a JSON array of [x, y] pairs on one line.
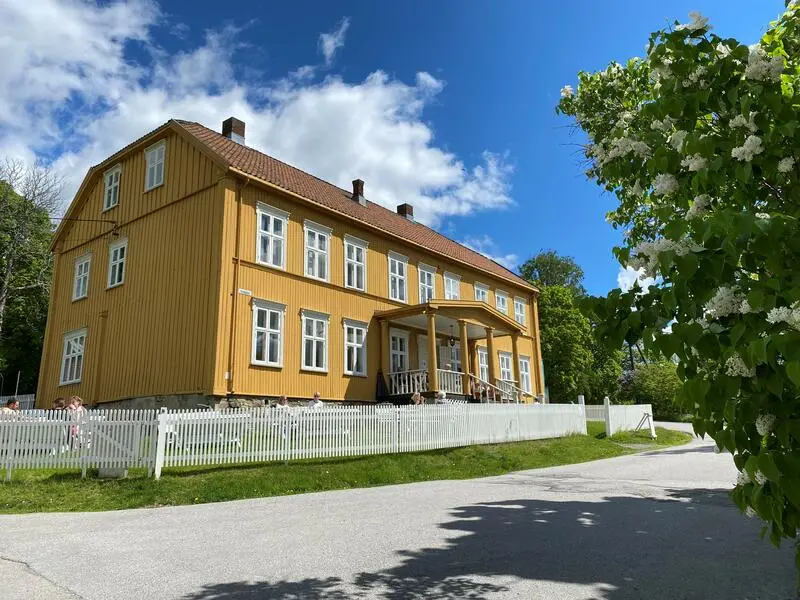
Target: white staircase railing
[[450, 381], [484, 391], [408, 382]]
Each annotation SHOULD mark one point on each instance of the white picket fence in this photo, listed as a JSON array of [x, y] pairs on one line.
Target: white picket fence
[[158, 440], [620, 417], [595, 412]]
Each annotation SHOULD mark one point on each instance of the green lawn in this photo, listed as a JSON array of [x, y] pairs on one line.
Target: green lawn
[[47, 491], [664, 437]]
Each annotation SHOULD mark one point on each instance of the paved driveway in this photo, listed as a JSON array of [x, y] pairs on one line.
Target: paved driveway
[[652, 526]]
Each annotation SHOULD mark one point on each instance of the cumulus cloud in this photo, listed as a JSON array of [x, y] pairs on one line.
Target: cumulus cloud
[[329, 43], [488, 247], [628, 276], [69, 93]]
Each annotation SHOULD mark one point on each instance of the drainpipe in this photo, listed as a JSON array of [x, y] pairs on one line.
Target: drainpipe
[[235, 289]]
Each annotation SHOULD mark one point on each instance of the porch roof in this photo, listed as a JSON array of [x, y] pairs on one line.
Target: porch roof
[[476, 313]]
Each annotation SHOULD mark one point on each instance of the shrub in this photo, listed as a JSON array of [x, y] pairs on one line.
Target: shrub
[[656, 384]]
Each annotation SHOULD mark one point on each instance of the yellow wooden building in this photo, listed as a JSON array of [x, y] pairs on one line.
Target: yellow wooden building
[[191, 268]]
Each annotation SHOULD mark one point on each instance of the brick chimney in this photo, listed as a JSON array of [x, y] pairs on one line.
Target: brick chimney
[[233, 129], [406, 210], [358, 192]]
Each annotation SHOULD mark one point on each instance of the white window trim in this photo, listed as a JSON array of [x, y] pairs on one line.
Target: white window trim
[[424, 268], [147, 187], [85, 258], [400, 333], [484, 288], [319, 230], [484, 351], [503, 354], [519, 300], [354, 241], [530, 374], [500, 294], [361, 325], [312, 314], [258, 303], [275, 213], [403, 259], [114, 169], [111, 248], [452, 277], [68, 336]]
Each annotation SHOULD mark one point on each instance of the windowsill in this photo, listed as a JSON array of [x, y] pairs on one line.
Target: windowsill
[[313, 370], [80, 298], [270, 265], [276, 366], [355, 289], [116, 285], [155, 187], [105, 210], [361, 375], [63, 383], [317, 278], [398, 300]]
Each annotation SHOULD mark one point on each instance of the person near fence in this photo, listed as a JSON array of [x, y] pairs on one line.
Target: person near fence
[[441, 397], [283, 402], [315, 402], [9, 411], [59, 403], [416, 399], [76, 411]]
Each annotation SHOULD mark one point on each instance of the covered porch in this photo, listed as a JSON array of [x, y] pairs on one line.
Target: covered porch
[[434, 347]]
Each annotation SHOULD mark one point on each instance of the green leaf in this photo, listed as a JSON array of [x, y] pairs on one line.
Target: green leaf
[[737, 332], [767, 466], [793, 371], [791, 488]]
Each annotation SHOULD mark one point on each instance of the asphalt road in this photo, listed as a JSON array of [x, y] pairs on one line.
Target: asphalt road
[[657, 525]]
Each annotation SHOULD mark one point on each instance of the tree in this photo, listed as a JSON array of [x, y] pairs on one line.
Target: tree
[[550, 268], [654, 383], [566, 337], [699, 142]]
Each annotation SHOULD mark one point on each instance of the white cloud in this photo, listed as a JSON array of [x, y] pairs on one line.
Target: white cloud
[[628, 276], [486, 245], [69, 93], [329, 43]]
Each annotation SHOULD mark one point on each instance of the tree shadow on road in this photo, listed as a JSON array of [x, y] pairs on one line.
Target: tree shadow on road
[[689, 544]]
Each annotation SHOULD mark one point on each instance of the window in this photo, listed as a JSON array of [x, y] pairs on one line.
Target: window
[[525, 374], [72, 359], [427, 283], [355, 348], [355, 263], [452, 285], [501, 301], [271, 236], [505, 367], [111, 190], [117, 254], [154, 166], [519, 310], [450, 357], [80, 288], [481, 293], [483, 364], [317, 238], [268, 333], [398, 270], [398, 342], [315, 341]]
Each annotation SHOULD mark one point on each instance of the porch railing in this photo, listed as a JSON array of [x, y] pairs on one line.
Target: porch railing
[[450, 381], [510, 392], [483, 391], [408, 382]]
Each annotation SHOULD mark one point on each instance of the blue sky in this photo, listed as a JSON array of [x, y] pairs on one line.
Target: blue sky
[[448, 105]]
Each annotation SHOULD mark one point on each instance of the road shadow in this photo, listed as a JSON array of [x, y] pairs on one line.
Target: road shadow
[[689, 544]]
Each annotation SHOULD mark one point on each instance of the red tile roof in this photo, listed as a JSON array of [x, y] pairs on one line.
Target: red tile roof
[[321, 192]]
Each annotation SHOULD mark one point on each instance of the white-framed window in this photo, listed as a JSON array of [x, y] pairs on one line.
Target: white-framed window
[[72, 357], [154, 165], [80, 286], [525, 374], [519, 310], [452, 287], [481, 292], [271, 235], [355, 263], [398, 277], [501, 301], [398, 345], [315, 341], [117, 257], [268, 319], [427, 283], [506, 374], [450, 357], [483, 364], [111, 187], [355, 348], [317, 241]]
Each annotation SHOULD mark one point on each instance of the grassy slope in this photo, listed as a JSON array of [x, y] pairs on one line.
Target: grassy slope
[[43, 491]]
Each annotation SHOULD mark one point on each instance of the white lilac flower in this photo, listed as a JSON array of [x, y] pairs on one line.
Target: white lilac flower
[[745, 307], [567, 91], [645, 255], [752, 146], [723, 49], [698, 22], [696, 77], [665, 184], [760, 478], [695, 162], [762, 67], [699, 207], [676, 139], [740, 121], [625, 145], [735, 367], [637, 190], [750, 513], [726, 301], [786, 164], [764, 423], [785, 314], [762, 216], [742, 478], [664, 125]]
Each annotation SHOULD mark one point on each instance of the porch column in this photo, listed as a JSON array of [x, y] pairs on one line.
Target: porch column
[[385, 364], [433, 374], [465, 366], [515, 359], [492, 358]]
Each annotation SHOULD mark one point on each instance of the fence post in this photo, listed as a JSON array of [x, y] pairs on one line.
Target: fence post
[[652, 425], [162, 442], [607, 404], [582, 404], [12, 442]]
